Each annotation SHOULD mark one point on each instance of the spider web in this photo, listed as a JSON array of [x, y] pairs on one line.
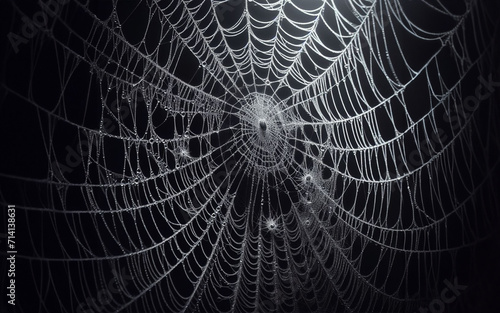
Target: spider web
[[252, 156]]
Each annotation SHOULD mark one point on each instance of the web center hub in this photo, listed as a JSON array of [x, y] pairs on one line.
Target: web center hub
[[263, 140]]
